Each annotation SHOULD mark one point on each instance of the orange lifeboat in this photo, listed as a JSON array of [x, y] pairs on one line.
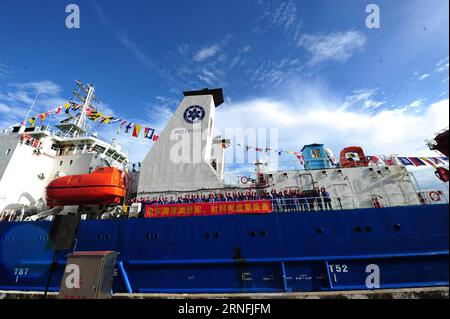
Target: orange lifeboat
[[105, 185], [353, 156]]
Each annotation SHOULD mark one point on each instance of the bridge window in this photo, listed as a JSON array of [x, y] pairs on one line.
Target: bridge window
[[315, 153]]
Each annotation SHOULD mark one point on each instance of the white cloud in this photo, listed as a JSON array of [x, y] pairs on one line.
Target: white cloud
[[4, 70], [338, 46], [208, 77], [442, 65], [318, 119], [423, 76], [135, 50], [16, 99], [363, 98], [246, 49], [285, 15], [206, 53], [128, 43], [282, 15], [416, 103]]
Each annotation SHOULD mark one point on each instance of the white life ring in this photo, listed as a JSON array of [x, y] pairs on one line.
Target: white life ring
[[244, 179], [435, 196]]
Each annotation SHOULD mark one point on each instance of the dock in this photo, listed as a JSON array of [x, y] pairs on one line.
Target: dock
[[410, 293]]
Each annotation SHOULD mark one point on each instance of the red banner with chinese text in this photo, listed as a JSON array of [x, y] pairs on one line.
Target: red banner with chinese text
[[209, 209]]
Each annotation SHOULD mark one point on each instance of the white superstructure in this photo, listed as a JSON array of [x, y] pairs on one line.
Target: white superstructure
[[31, 157], [167, 174]]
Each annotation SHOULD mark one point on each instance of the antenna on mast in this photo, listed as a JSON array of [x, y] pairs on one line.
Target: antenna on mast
[[85, 94], [31, 107], [89, 91]]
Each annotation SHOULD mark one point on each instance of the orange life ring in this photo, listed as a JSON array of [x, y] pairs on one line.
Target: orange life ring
[[435, 196], [244, 179]]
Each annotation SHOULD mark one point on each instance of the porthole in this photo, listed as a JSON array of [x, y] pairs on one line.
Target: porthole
[[262, 233], [358, 229], [207, 235], [252, 234], [397, 227], [368, 229], [102, 237], [320, 231], [216, 235]]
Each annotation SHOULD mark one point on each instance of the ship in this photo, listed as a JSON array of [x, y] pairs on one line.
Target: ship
[[371, 227]]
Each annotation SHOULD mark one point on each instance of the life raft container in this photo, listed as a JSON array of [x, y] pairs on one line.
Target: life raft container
[[105, 185], [353, 156]]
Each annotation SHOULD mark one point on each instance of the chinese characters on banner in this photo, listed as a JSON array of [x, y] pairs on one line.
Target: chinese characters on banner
[[208, 209]]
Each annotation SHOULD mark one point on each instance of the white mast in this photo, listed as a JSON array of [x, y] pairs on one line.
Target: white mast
[[31, 107], [87, 102]]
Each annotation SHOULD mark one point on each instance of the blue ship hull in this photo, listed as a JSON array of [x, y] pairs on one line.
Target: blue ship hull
[[275, 252]]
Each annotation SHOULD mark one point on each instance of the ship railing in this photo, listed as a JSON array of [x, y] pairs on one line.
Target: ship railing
[[7, 131], [321, 203], [308, 204], [314, 204]]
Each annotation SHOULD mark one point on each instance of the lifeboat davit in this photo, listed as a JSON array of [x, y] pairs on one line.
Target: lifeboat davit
[[105, 185]]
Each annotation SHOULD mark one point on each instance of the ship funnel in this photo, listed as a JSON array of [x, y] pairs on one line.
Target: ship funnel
[[186, 156]]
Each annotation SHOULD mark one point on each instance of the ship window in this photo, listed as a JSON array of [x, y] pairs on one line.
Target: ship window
[[315, 153], [8, 151], [99, 149], [60, 163], [71, 162]]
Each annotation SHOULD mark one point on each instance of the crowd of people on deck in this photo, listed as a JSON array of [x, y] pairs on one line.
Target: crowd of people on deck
[[282, 201]]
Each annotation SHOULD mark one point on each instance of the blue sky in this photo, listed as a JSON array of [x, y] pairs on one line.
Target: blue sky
[[309, 68]]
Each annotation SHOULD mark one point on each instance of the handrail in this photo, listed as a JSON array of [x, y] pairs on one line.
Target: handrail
[[318, 203], [287, 204]]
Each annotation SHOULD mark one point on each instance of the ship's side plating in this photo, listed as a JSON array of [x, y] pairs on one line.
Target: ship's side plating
[[335, 250], [401, 243]]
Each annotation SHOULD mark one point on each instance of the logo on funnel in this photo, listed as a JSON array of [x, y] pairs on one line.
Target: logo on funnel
[[194, 113]]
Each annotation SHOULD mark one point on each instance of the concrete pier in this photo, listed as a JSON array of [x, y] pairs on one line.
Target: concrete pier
[[410, 293]]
